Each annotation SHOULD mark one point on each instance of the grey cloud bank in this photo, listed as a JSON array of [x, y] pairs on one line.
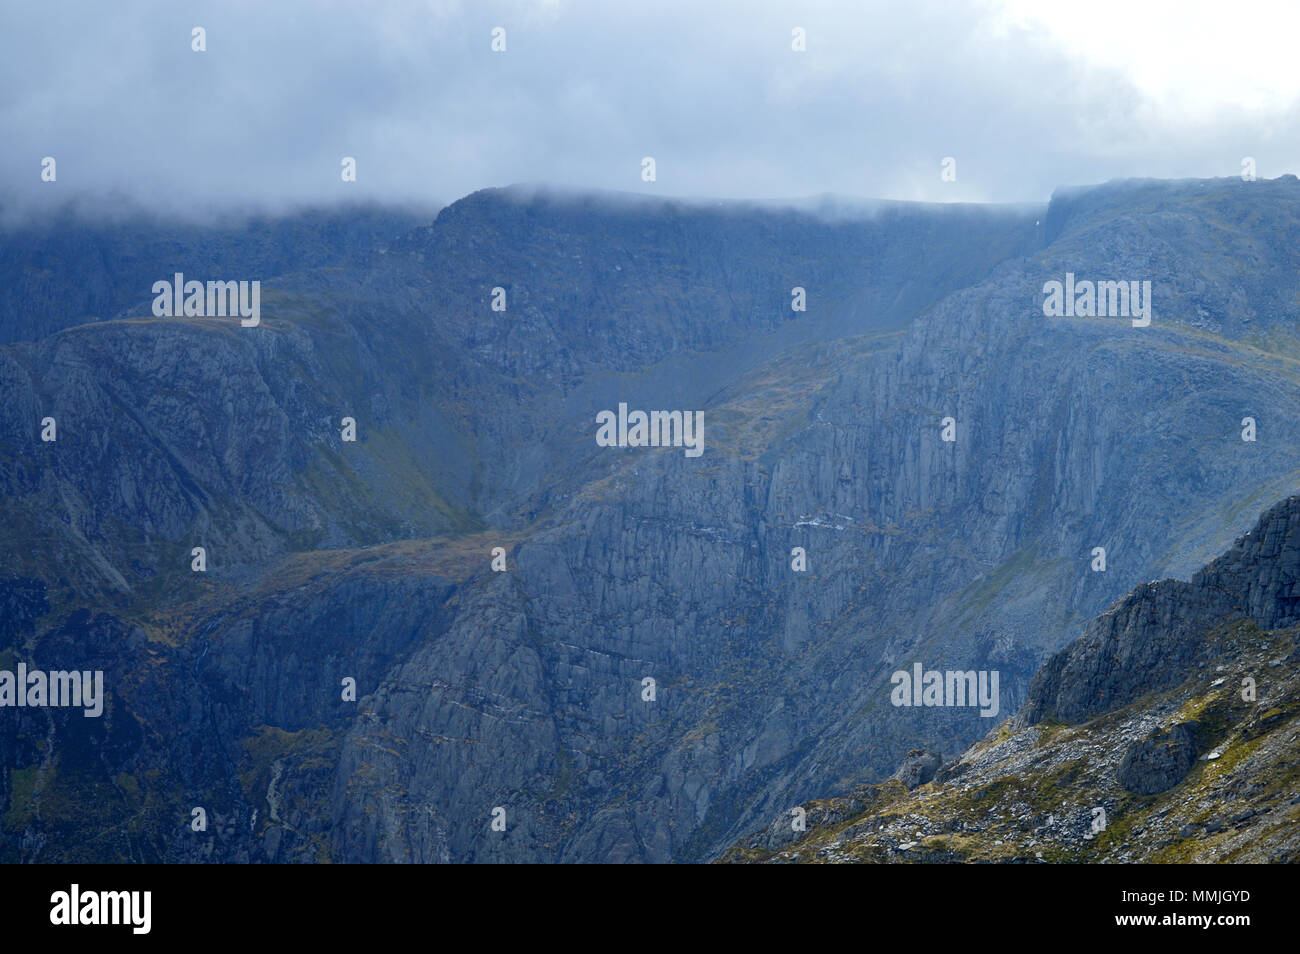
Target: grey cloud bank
[[414, 93]]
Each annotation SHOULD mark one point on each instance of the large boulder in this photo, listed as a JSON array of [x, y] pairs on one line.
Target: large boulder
[[1160, 761]]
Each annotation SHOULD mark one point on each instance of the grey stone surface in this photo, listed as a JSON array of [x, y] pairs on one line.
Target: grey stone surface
[[523, 689]]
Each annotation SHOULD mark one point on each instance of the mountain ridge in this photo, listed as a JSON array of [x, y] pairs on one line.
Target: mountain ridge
[[476, 428]]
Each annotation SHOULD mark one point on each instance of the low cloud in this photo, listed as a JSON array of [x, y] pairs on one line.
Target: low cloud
[[1022, 102]]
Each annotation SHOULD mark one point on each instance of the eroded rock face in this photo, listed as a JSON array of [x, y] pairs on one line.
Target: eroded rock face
[[1215, 788], [919, 767], [524, 689], [1147, 640], [1160, 761]]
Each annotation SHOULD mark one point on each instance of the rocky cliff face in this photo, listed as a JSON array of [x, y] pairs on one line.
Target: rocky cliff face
[[1166, 732], [525, 689], [1147, 640]]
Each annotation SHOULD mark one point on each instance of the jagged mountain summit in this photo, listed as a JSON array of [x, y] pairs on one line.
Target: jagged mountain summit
[[1168, 732], [518, 681]]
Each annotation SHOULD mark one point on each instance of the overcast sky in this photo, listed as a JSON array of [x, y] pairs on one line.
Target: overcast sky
[[1023, 95]]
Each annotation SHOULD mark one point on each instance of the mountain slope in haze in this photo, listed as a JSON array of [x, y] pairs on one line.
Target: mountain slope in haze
[[525, 689], [1167, 732], [88, 262]]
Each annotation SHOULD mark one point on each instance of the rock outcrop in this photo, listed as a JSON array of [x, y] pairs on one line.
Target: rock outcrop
[[1160, 761], [1147, 641], [1200, 765]]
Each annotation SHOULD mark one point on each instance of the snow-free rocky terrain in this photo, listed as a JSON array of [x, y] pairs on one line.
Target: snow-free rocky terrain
[[522, 689], [1168, 732]]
